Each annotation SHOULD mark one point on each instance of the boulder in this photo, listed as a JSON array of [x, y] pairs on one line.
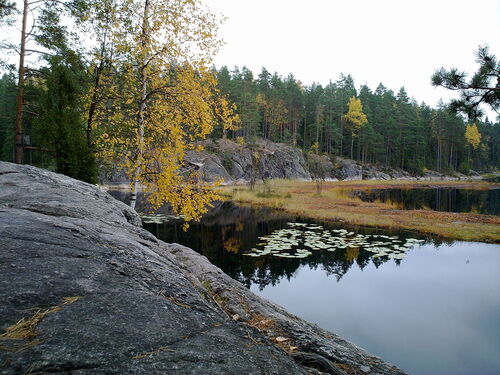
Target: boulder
[[373, 173], [209, 165], [348, 170]]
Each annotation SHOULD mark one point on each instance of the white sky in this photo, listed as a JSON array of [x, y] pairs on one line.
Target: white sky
[[396, 42]]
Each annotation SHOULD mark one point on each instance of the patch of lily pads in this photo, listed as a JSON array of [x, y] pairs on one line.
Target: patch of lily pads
[[158, 218], [300, 240]]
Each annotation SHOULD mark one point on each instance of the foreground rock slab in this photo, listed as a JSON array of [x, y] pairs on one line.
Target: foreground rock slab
[[85, 290]]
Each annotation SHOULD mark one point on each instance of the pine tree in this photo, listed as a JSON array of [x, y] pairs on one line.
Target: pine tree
[[60, 124], [7, 116], [483, 87]]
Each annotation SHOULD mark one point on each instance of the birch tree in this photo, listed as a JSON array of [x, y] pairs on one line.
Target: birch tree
[[355, 117], [473, 138], [162, 99]]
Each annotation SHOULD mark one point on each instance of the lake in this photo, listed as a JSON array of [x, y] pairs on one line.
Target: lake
[[438, 199], [428, 306]]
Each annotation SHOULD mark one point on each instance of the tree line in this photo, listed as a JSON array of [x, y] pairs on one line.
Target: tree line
[[399, 132]]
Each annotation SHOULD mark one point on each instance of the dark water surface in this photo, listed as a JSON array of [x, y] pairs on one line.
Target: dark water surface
[[493, 178], [429, 307], [438, 199]]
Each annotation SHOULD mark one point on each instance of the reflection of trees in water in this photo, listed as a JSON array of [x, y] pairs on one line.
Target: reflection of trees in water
[[439, 199], [334, 263], [222, 237]]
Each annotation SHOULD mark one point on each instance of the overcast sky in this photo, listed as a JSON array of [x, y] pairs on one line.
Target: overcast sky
[[396, 42]]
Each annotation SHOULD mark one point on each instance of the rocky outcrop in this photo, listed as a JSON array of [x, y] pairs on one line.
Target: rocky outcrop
[[85, 290], [234, 162], [231, 162], [347, 170]]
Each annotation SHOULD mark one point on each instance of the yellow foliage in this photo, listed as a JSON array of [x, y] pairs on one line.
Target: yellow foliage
[[315, 148], [279, 113], [351, 254], [355, 115], [233, 245], [161, 99], [472, 135], [274, 110], [226, 114]]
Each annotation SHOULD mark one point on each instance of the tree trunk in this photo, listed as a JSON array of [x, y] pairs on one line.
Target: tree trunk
[[352, 144], [438, 162], [319, 187], [142, 107], [341, 135], [305, 127], [294, 131], [317, 125], [450, 159], [19, 142], [468, 157], [95, 90], [358, 149], [387, 151]]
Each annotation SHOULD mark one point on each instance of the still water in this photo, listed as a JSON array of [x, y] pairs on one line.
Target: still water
[[438, 199], [428, 306]]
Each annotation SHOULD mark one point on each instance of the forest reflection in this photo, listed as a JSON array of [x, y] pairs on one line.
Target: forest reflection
[[229, 232], [437, 199]]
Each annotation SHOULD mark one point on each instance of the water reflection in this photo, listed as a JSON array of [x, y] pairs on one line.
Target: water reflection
[[493, 178], [435, 309], [438, 199], [229, 233], [437, 312]]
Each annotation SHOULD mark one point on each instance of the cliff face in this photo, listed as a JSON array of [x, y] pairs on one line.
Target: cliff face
[[85, 290], [234, 162]]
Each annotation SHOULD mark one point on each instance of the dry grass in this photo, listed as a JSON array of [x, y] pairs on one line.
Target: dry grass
[[173, 299], [153, 352], [299, 197], [25, 329], [267, 326], [261, 323], [270, 328]]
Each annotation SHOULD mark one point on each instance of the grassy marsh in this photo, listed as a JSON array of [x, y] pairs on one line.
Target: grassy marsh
[[299, 197]]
